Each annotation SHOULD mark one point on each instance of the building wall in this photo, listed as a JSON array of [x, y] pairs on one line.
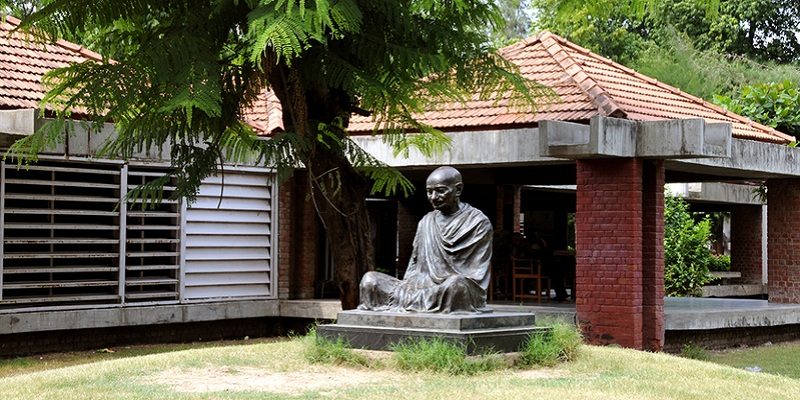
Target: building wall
[[746, 246], [783, 237], [619, 253], [68, 243]]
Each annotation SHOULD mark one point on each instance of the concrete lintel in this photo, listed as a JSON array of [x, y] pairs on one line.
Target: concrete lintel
[[509, 146], [613, 137], [38, 321], [715, 192], [21, 122], [750, 159]]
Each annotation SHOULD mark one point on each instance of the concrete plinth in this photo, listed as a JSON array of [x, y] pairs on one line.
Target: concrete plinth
[[503, 331]]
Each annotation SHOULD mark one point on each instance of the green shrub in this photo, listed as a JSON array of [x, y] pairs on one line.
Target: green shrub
[[776, 104], [695, 352], [686, 249], [440, 355], [562, 343], [323, 351], [720, 263]]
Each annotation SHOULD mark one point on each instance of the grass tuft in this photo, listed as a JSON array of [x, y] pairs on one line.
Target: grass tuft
[[439, 355], [322, 351], [560, 344], [695, 352]]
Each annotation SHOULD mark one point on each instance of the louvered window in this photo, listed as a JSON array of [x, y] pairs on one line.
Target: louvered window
[[152, 243], [61, 234], [67, 242]]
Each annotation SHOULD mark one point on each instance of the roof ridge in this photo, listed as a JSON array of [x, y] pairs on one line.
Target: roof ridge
[[520, 45], [605, 103], [76, 48], [677, 91]]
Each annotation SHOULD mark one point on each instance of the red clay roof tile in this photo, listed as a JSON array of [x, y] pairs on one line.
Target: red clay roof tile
[[587, 85], [24, 60]]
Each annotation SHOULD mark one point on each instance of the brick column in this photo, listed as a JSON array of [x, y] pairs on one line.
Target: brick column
[[406, 229], [746, 251], [619, 252], [499, 206], [285, 239], [306, 245], [653, 255], [783, 241]]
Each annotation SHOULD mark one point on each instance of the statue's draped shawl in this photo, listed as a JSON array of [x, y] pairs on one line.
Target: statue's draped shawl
[[448, 270]]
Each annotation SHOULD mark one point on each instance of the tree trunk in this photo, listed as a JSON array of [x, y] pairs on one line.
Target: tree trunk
[[340, 197], [338, 191]]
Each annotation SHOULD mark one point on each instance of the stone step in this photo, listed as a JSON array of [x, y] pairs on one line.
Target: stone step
[[436, 321], [477, 332]]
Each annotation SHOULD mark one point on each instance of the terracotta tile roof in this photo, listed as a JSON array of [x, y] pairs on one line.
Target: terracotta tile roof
[[264, 114], [24, 60], [587, 85]]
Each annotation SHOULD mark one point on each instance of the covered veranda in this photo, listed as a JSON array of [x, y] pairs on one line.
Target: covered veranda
[[618, 137]]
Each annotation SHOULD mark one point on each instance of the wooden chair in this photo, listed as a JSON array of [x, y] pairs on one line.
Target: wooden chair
[[526, 269]]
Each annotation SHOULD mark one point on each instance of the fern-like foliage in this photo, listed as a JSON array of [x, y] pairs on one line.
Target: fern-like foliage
[[184, 71]]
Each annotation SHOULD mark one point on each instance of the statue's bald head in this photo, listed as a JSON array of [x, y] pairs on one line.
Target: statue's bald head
[[444, 187], [446, 175]]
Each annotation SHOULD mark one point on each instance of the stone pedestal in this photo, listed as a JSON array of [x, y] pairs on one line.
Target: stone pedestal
[[498, 331]]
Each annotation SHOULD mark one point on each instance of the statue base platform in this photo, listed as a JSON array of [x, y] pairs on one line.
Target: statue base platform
[[501, 332]]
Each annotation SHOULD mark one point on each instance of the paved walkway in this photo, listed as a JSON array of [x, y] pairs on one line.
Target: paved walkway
[[689, 313], [680, 313]]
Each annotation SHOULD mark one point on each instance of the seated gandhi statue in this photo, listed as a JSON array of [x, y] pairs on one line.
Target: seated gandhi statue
[[449, 266]]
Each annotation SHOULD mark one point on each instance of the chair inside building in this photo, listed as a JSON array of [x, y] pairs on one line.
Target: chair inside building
[[528, 282]]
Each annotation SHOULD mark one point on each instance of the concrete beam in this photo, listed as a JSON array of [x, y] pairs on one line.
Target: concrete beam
[[749, 159], [52, 320], [18, 122], [612, 137], [714, 192], [498, 147]]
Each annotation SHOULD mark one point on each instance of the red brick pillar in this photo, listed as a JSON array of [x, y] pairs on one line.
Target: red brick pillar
[[746, 254], [653, 255], [499, 206], [307, 242], [619, 252], [783, 241], [285, 239], [406, 229], [298, 240]]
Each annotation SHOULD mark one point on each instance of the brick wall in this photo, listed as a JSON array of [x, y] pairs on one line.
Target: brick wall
[[306, 241], [746, 242], [285, 229], [298, 240], [783, 237], [619, 251]]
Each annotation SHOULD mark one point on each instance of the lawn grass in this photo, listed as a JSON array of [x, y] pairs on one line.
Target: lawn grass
[[21, 365], [598, 373], [780, 359]]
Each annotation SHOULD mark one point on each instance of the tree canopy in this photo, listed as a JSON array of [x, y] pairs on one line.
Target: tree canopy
[[185, 71]]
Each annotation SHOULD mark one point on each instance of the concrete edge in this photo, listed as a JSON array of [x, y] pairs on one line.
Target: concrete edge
[[53, 320], [723, 319]]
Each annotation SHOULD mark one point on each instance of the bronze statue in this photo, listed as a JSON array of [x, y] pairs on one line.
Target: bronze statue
[[449, 266]]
